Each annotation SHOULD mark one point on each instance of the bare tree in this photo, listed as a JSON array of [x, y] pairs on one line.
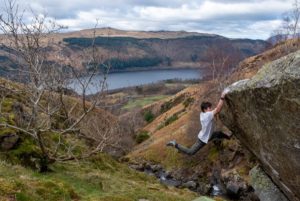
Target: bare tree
[[294, 19], [51, 118], [289, 28], [222, 58]]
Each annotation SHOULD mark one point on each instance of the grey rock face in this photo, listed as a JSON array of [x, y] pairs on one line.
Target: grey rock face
[[264, 113], [190, 185], [264, 187]]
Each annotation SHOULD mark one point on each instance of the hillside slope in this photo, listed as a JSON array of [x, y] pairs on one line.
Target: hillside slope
[[204, 91], [231, 156], [98, 177], [125, 50]]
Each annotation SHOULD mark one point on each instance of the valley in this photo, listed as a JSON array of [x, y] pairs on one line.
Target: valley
[[145, 111]]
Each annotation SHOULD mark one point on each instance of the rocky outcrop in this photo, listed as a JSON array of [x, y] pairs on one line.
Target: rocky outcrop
[[264, 113], [264, 187]]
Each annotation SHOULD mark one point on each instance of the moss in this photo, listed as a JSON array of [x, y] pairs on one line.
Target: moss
[[243, 171], [26, 153], [115, 198], [7, 104], [104, 162], [207, 199], [213, 154], [6, 131], [22, 197], [91, 179], [11, 119], [95, 179], [52, 190]]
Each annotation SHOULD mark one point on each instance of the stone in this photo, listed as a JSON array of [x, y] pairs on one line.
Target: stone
[[156, 168], [9, 141], [203, 188], [203, 199], [264, 188], [138, 167], [190, 185], [264, 114], [233, 189]]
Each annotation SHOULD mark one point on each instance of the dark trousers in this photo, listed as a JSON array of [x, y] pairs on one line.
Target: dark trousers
[[199, 144]]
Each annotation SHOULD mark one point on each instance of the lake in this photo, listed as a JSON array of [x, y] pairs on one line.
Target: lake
[[136, 78]]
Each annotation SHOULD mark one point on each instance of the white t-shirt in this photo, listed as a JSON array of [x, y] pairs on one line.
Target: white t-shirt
[[207, 123]]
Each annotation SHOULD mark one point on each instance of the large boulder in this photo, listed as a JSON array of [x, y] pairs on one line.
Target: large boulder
[[264, 187], [264, 113]]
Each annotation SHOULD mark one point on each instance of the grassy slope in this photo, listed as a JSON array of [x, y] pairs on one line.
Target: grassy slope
[[102, 179], [185, 129]]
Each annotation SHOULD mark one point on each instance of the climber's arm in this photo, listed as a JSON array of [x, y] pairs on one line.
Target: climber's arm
[[220, 104]]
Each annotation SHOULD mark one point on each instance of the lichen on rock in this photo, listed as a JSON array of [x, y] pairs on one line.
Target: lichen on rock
[[264, 113], [264, 187]]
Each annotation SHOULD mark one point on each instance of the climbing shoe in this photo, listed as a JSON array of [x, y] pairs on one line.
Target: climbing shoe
[[171, 143]]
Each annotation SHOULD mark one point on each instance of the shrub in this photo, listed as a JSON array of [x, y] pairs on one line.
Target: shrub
[[168, 121], [148, 116], [188, 101], [142, 136], [171, 103], [171, 119], [166, 106]]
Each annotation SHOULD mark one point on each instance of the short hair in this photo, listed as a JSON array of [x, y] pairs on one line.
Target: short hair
[[205, 105]]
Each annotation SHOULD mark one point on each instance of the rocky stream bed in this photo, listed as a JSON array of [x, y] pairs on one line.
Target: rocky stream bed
[[228, 186]]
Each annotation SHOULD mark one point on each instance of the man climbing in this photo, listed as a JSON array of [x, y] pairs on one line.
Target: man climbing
[[207, 122]]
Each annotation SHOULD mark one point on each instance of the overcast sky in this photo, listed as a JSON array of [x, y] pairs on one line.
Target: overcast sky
[[231, 18]]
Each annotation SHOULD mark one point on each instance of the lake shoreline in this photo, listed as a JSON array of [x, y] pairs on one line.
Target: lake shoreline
[[142, 69], [169, 81], [137, 78]]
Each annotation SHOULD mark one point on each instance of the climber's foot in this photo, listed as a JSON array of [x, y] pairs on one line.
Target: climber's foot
[[171, 143]]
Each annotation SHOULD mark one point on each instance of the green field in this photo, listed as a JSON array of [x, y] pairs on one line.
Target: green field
[[140, 102]]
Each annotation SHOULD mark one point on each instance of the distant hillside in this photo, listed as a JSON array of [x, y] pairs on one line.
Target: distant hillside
[[111, 32], [125, 50]]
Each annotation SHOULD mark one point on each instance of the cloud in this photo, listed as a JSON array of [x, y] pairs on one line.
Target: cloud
[[231, 18]]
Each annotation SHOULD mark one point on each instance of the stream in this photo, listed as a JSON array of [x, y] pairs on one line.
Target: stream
[[215, 187], [166, 178]]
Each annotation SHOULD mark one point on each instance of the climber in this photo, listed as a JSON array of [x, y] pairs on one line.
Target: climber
[[206, 134]]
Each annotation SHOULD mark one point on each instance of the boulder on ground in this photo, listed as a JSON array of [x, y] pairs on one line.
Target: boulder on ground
[[264, 188], [264, 114]]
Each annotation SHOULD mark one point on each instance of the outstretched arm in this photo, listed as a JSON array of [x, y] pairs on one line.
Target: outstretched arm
[[220, 104]]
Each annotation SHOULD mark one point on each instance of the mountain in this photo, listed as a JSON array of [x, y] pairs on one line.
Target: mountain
[[127, 50]]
